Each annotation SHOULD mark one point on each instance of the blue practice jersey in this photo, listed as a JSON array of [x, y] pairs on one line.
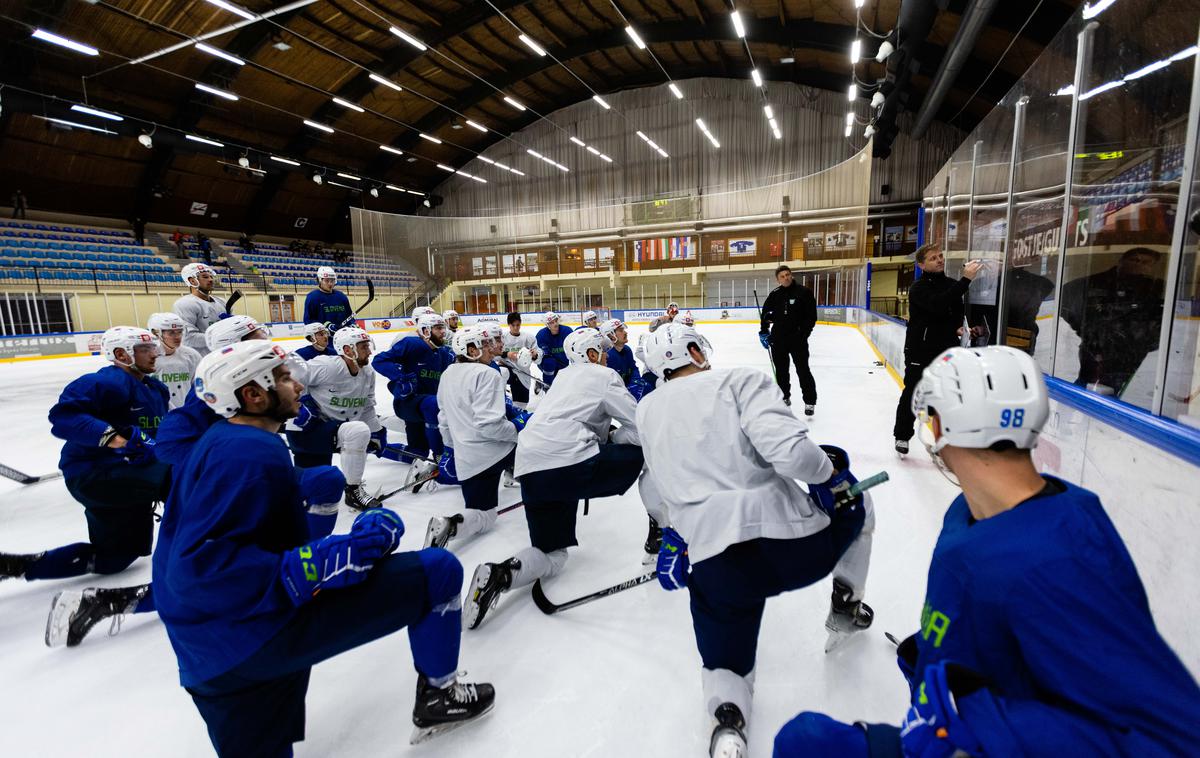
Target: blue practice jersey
[[1045, 603], [308, 352], [182, 428], [623, 363], [96, 401], [217, 563], [413, 360], [554, 357], [326, 307]]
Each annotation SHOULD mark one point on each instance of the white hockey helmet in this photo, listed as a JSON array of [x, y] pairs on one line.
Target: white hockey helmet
[[230, 330], [326, 272], [421, 310], [982, 396], [550, 317], [686, 319], [449, 314], [494, 332], [193, 271], [223, 372], [313, 329], [428, 321], [667, 348], [671, 305], [609, 328], [127, 338], [589, 315], [162, 322], [579, 342], [350, 336], [467, 337]]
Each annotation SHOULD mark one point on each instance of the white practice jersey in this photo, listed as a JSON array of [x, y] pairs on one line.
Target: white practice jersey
[[176, 370], [574, 416], [513, 344], [198, 314], [724, 452], [340, 395], [639, 352], [471, 416]]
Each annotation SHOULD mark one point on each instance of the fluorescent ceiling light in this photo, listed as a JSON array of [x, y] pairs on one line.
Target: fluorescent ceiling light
[[204, 141], [849, 118], [234, 9], [855, 51], [533, 152], [600, 101], [1148, 69], [859, 3], [46, 36], [773, 124], [778, 134], [217, 92], [662, 152], [464, 173], [386, 82], [394, 188], [444, 167], [485, 159], [348, 104], [391, 149], [757, 77], [315, 125], [288, 161], [643, 136], [518, 173], [700, 123], [675, 91], [94, 112], [479, 179], [350, 176], [475, 125], [76, 125], [847, 130], [1102, 88], [429, 137], [498, 164], [1187, 52], [220, 53], [713, 140], [633, 35], [852, 94], [768, 111], [406, 37], [592, 150], [578, 141], [1095, 9], [414, 192], [1067, 90], [561, 167], [604, 157], [535, 47], [737, 24], [513, 103]]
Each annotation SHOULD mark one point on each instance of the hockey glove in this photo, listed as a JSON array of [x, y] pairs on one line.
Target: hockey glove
[[303, 417], [446, 471], [827, 494], [906, 659], [138, 447], [380, 520], [321, 485], [524, 359], [673, 563], [224, 315], [377, 443], [339, 560], [933, 728], [405, 385], [765, 339]]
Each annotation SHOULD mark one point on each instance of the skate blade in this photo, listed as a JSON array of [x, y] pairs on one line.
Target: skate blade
[[728, 746], [837, 639], [58, 623], [425, 733], [473, 613], [429, 534]]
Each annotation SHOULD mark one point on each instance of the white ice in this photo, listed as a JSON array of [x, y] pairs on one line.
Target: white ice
[[620, 676]]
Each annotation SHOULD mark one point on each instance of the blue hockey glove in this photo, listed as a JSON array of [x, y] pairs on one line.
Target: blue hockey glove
[[223, 316], [339, 560], [321, 485], [826, 493], [673, 563], [906, 659], [330, 327], [447, 474], [381, 520], [378, 442], [637, 389], [405, 385], [304, 416], [138, 446], [932, 728], [765, 339], [517, 416]]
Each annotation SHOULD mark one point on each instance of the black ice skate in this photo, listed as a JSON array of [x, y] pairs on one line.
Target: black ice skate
[[810, 409], [359, 499], [441, 530], [653, 541], [902, 447], [489, 581], [729, 736], [787, 401], [14, 565], [73, 613], [438, 711], [846, 616]]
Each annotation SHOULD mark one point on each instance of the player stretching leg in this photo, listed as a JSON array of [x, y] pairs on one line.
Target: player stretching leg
[[251, 604], [560, 460], [1036, 638], [477, 433], [726, 454], [177, 362]]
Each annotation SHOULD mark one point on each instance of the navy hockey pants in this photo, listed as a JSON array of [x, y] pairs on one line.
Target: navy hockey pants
[[817, 734], [420, 415], [482, 491]]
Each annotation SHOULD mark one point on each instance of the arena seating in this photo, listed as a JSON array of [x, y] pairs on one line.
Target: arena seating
[[30, 250], [287, 268]]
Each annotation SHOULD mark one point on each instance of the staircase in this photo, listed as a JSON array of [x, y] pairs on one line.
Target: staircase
[[166, 249], [234, 261]]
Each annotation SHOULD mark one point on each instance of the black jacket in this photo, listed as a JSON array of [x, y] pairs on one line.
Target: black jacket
[[935, 312], [792, 310]]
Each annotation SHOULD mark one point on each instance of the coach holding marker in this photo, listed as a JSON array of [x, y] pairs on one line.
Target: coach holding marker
[[935, 324], [791, 309]]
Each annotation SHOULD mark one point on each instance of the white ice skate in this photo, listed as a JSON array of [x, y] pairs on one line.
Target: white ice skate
[[846, 617], [421, 475], [729, 736]]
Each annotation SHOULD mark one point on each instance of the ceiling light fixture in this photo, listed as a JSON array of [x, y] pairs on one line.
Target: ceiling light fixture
[[768, 111], [518, 173], [374, 192], [578, 141], [601, 102], [318, 179], [533, 152], [592, 150], [604, 157], [220, 53], [675, 90], [444, 167], [217, 92], [431, 138], [288, 161], [54, 39], [852, 93], [535, 47], [737, 24], [315, 125], [203, 141], [757, 77], [513, 103], [391, 149], [145, 140], [406, 37], [486, 159], [76, 125], [234, 9], [386, 82], [99, 114], [847, 130], [351, 177], [855, 51], [849, 118], [348, 104], [633, 35], [244, 161], [478, 126]]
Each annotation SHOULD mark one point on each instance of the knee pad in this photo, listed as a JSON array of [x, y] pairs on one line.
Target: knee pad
[[429, 410], [321, 486], [443, 578], [111, 563], [817, 734], [353, 437], [724, 686]]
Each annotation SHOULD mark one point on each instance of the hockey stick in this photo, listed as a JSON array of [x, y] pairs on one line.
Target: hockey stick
[[770, 358], [23, 478], [236, 296], [506, 363]]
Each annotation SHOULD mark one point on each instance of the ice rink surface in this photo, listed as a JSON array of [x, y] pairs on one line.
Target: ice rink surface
[[618, 677]]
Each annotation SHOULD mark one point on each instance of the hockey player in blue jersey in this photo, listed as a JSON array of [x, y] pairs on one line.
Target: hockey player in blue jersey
[[413, 367], [251, 603], [620, 356], [326, 305], [319, 343], [1036, 638], [550, 339]]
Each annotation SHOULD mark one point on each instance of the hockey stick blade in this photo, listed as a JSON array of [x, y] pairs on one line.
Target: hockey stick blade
[[546, 606], [410, 486], [370, 297], [236, 296], [23, 478]]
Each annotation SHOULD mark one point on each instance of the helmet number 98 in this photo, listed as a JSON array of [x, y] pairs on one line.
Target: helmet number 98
[[1014, 417]]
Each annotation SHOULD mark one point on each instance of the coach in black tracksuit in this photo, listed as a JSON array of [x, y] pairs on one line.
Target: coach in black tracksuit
[[935, 318], [791, 312]]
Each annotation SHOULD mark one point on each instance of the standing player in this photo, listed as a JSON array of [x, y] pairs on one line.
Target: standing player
[[317, 335], [452, 320], [338, 414], [477, 433], [326, 305], [108, 419], [667, 317], [521, 350], [413, 367], [620, 357], [649, 378], [550, 341], [561, 459], [789, 314], [726, 456], [177, 362], [1036, 637], [199, 309], [250, 604]]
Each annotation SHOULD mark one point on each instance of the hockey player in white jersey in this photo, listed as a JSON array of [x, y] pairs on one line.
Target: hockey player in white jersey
[[478, 436], [233, 329], [199, 309], [338, 414], [725, 453], [521, 350], [453, 322], [565, 454], [176, 362], [591, 320]]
